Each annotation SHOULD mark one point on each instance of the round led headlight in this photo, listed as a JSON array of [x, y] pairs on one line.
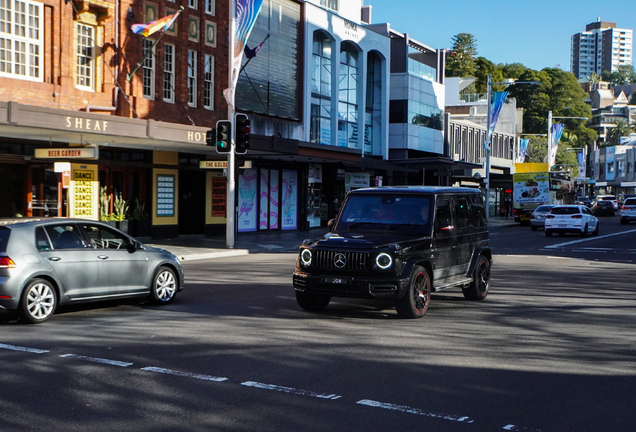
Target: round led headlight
[[384, 260], [305, 257]]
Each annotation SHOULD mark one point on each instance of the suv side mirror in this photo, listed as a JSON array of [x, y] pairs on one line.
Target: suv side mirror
[[331, 223]]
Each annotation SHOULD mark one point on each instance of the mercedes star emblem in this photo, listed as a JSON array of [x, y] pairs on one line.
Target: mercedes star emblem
[[340, 260]]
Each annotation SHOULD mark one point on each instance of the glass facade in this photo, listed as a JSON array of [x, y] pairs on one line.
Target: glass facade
[[348, 98], [320, 123]]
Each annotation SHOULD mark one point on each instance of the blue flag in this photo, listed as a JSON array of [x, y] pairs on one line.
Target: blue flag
[[498, 99]]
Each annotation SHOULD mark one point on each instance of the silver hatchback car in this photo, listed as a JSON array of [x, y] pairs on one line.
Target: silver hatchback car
[[47, 262], [628, 211]]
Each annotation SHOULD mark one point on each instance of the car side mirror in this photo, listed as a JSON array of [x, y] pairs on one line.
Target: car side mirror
[[134, 246], [331, 223]]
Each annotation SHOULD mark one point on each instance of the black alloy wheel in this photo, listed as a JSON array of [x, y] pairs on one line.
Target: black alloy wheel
[[478, 288], [415, 303]]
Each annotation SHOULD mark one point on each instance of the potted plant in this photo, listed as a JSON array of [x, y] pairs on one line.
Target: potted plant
[[121, 208], [140, 223], [104, 207]]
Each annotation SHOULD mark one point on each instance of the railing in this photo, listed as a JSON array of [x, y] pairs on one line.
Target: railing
[[474, 97]]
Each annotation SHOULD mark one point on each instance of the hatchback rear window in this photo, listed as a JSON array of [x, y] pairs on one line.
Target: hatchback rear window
[[4, 238], [565, 210], [543, 208], [608, 198], [630, 201]]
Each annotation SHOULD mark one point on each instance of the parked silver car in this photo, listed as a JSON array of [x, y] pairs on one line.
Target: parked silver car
[[537, 219], [628, 211], [51, 261]]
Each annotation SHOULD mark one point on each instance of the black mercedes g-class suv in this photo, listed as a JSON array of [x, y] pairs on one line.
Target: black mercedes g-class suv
[[398, 243]]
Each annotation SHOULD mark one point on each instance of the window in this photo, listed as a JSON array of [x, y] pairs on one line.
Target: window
[[192, 4], [210, 7], [105, 238], [477, 213], [64, 237], [192, 78], [21, 25], [443, 217], [348, 97], [149, 69], [208, 82], [320, 126], [331, 4], [168, 73], [461, 212], [84, 56]]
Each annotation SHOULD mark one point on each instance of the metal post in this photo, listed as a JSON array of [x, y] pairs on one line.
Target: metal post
[[549, 140], [488, 149], [231, 160]]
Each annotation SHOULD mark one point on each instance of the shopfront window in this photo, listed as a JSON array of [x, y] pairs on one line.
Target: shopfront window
[[348, 97]]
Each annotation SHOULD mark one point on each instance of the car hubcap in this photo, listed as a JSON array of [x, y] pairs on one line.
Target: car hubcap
[[40, 301], [165, 285]]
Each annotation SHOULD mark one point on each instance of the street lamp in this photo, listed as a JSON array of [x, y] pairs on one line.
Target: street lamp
[[550, 118], [489, 85]]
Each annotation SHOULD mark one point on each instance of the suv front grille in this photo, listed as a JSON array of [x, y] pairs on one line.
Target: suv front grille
[[340, 260]]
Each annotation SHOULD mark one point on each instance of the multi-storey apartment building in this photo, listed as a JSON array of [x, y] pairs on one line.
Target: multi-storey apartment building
[[601, 47]]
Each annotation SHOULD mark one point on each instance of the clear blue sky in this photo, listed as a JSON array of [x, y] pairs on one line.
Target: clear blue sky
[[536, 33]]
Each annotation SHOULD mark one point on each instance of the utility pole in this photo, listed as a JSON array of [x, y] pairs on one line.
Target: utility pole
[[231, 160]]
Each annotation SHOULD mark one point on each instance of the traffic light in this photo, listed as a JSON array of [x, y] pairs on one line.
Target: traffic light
[[223, 136], [242, 133]]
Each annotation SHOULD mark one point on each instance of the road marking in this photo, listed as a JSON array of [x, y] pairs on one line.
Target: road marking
[[512, 427], [98, 360], [414, 411], [184, 374], [24, 349], [290, 390], [587, 239]]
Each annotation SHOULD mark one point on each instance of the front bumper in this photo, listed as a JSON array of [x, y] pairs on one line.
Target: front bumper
[[353, 286]]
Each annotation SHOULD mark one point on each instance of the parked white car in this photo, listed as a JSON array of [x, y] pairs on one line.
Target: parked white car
[[576, 219], [628, 210]]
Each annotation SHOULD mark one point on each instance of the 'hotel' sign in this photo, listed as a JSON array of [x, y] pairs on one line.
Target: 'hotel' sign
[[67, 153]]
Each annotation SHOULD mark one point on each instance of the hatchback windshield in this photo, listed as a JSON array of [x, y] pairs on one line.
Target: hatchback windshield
[[565, 210]]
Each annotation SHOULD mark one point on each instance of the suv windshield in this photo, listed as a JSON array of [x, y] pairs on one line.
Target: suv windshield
[[565, 210], [383, 210]]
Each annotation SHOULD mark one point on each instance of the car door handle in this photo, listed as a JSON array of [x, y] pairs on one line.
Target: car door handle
[[102, 257], [54, 258]]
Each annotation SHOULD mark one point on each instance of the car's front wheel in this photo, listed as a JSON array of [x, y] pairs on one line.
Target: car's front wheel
[[312, 302], [478, 288], [38, 301], [164, 286], [597, 229], [415, 303]]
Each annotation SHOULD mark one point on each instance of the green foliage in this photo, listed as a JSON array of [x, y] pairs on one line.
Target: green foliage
[[566, 160], [560, 93], [138, 211], [624, 75], [512, 70], [537, 150], [622, 129], [104, 204], [121, 207], [632, 99], [461, 61], [485, 67]]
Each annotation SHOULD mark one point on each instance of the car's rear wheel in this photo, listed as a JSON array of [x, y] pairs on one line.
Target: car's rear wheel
[[584, 232], [312, 302], [548, 233], [164, 286], [478, 288], [415, 303], [38, 301]]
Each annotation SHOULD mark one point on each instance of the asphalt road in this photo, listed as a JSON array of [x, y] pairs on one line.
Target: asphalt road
[[552, 348]]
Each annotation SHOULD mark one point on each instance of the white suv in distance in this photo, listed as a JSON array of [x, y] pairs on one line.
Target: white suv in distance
[[611, 198], [576, 219], [628, 210]]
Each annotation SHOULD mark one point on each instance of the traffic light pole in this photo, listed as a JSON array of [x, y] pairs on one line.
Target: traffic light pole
[[231, 160]]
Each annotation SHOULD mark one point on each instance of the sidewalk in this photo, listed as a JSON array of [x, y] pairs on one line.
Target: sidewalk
[[199, 247]]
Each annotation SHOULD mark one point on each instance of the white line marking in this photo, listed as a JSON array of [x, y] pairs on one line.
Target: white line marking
[[24, 349], [184, 374], [415, 411], [98, 360], [588, 239], [290, 390], [512, 427]]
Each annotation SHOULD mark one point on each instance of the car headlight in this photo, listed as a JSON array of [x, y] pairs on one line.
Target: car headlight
[[305, 257], [384, 260]]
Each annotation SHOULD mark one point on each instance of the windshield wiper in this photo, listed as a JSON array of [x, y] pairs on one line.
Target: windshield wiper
[[395, 226], [357, 224]]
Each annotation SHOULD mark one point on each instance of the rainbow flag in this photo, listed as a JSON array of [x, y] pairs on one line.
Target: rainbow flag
[[161, 24]]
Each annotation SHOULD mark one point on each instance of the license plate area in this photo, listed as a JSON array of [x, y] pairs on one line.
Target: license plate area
[[337, 280]]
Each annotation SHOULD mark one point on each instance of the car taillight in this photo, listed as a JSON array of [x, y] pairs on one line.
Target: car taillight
[[549, 217], [533, 216], [6, 262], [624, 208], [578, 216]]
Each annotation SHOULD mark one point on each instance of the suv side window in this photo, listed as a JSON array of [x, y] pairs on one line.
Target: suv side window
[[461, 212], [443, 217], [477, 213]]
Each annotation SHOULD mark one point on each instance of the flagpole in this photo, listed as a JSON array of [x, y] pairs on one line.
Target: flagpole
[[141, 62], [231, 159]]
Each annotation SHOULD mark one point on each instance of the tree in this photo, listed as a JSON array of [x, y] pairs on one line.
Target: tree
[[624, 75], [621, 129], [461, 60], [512, 70], [560, 93], [485, 67], [632, 99], [537, 150]]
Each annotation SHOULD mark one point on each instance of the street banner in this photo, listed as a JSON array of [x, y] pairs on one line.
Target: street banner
[[581, 161], [523, 146], [498, 99], [246, 14], [557, 131]]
